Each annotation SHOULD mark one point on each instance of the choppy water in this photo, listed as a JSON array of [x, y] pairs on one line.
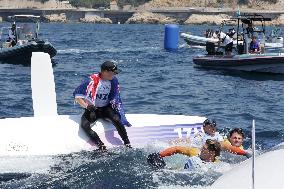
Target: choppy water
[[153, 81]]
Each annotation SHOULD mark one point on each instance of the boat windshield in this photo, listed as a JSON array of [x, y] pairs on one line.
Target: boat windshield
[[26, 31]]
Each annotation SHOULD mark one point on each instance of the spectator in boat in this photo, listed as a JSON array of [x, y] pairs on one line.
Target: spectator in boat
[[197, 157], [208, 33], [215, 34], [254, 46], [100, 97], [250, 29], [231, 33], [12, 36], [227, 41]]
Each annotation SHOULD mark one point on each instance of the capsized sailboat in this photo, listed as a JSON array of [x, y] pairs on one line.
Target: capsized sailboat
[[48, 133]]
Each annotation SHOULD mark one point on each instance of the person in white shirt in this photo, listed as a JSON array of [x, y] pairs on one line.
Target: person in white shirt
[[227, 41], [210, 132]]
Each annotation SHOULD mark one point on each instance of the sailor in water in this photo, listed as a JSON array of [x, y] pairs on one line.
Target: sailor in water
[[99, 96], [232, 144], [209, 128], [208, 153]]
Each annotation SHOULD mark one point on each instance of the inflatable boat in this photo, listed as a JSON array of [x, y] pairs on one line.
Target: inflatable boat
[[273, 43], [245, 59], [21, 54], [269, 63], [19, 41]]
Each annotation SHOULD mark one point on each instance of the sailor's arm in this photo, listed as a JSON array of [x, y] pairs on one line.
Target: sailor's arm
[[226, 146], [80, 95], [179, 150], [81, 102], [85, 105]]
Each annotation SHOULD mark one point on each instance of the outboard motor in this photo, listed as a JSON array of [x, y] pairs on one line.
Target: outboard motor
[[279, 40], [210, 48]]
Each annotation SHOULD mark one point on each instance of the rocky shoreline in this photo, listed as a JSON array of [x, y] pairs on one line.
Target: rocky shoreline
[[196, 19], [147, 17], [56, 17], [96, 20]]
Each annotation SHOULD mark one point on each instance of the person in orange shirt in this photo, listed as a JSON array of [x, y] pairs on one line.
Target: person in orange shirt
[[234, 143], [208, 153]]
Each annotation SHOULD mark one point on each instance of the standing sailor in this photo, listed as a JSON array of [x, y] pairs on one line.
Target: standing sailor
[[12, 35], [99, 96], [227, 41]]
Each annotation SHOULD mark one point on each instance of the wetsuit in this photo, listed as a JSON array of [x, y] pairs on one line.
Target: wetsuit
[[104, 95], [102, 112]]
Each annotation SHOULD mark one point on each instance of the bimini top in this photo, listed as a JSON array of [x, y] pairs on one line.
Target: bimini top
[[248, 18], [24, 17]]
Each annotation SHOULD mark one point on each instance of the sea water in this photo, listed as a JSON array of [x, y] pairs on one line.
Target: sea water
[[152, 81]]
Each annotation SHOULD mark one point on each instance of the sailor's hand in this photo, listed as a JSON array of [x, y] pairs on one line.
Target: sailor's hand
[[91, 108]]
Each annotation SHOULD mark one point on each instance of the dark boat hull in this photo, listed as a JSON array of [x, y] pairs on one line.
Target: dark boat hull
[[22, 54], [271, 63]]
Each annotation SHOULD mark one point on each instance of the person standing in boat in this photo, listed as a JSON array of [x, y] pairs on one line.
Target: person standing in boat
[[99, 95], [250, 29], [12, 37], [227, 41]]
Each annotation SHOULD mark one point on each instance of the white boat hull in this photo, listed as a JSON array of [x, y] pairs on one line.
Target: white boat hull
[[268, 173], [51, 135], [201, 41]]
